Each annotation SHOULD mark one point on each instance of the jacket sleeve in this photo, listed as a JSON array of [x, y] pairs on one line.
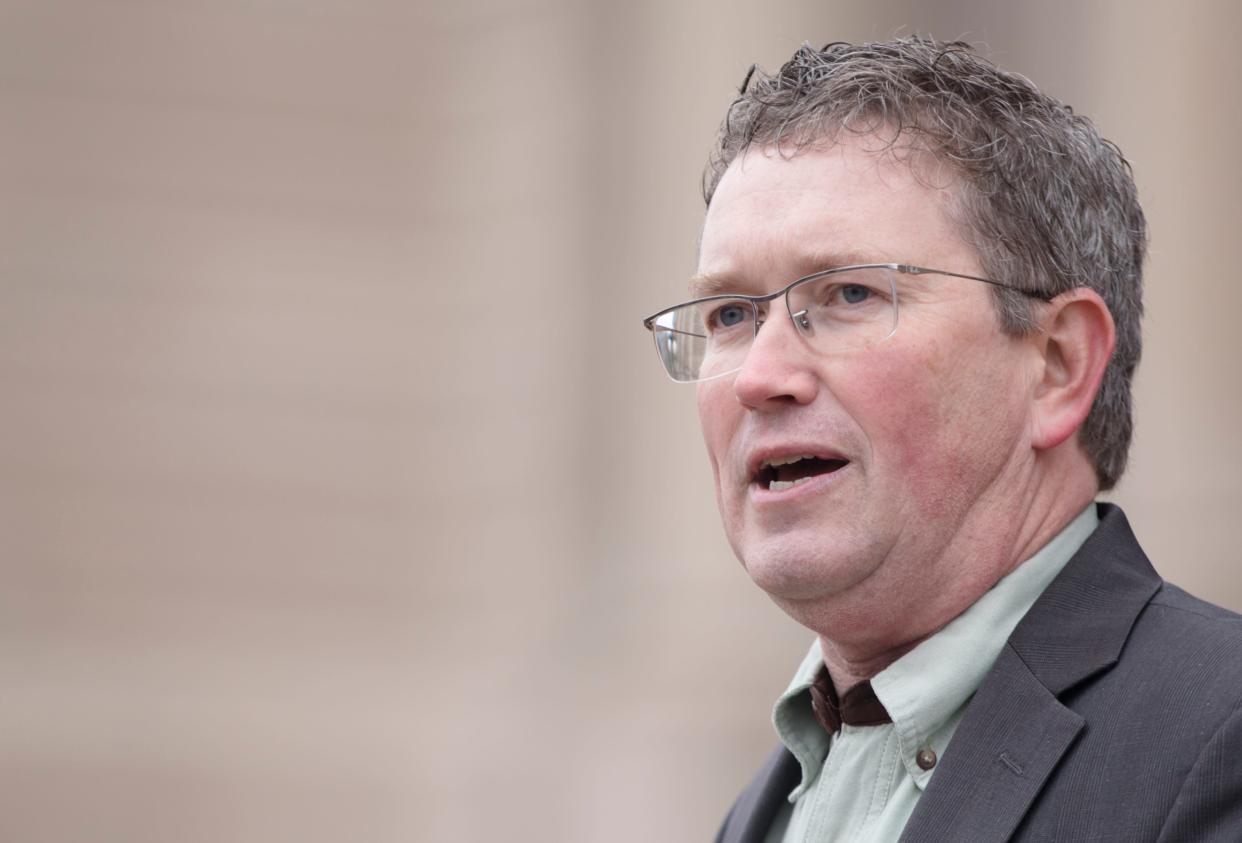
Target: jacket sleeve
[[1208, 808], [720, 835], [751, 815]]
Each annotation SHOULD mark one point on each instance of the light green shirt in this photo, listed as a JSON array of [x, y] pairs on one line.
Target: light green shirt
[[865, 789]]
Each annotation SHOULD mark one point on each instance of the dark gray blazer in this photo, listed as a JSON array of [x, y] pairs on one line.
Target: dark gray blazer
[[1114, 713]]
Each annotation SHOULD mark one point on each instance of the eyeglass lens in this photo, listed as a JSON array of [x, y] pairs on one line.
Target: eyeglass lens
[[837, 311]]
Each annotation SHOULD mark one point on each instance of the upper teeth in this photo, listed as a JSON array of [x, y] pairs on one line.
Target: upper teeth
[[786, 460]]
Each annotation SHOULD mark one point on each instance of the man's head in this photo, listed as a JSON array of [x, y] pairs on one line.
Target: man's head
[[1046, 202], [943, 449]]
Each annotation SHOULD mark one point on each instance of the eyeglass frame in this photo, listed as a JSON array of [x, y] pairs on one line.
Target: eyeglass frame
[[755, 301]]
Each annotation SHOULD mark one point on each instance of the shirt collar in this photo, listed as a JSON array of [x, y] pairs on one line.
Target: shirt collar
[[796, 724], [926, 689]]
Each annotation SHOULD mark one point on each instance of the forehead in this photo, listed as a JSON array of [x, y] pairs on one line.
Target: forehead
[[776, 216]]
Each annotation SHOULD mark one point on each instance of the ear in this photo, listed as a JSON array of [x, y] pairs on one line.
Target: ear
[[1075, 345]]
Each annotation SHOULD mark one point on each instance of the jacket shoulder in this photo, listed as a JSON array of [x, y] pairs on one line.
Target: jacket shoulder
[[1211, 618]]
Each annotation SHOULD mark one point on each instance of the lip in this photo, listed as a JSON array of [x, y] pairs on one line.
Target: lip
[[762, 496], [818, 484], [783, 452]]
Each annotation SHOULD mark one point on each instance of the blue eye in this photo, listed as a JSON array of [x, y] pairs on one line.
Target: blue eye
[[730, 315], [855, 293]]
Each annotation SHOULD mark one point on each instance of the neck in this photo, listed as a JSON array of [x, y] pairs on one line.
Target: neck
[[848, 667], [862, 636]]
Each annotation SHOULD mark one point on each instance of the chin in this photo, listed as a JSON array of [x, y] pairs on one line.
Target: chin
[[789, 572]]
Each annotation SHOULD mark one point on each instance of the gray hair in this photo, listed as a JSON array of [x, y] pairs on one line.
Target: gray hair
[[1047, 203]]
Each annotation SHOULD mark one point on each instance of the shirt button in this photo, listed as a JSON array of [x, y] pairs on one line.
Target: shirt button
[[926, 758]]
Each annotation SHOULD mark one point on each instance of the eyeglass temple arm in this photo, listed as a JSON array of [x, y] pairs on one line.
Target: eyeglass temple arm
[[918, 270]]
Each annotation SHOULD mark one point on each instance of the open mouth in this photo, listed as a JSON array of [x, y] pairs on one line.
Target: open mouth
[[785, 473]]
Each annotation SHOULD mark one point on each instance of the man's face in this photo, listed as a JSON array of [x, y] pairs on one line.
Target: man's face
[[929, 427]]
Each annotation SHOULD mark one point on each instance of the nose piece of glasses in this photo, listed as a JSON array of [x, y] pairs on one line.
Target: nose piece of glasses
[[802, 321]]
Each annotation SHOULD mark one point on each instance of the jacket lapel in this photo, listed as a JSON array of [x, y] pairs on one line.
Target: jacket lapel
[[1015, 729], [1013, 734], [756, 808]]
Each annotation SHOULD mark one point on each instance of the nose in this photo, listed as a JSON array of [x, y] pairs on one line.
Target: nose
[[778, 367]]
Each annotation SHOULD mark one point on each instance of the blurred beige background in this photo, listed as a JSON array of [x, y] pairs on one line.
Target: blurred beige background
[[341, 495]]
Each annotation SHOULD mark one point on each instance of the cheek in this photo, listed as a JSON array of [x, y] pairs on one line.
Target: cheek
[[937, 426], [718, 415], [903, 415]]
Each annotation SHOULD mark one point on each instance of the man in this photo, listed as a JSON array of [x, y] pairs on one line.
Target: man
[[913, 330]]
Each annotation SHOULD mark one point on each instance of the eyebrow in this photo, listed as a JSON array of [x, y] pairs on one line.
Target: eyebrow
[[702, 286], [808, 263]]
